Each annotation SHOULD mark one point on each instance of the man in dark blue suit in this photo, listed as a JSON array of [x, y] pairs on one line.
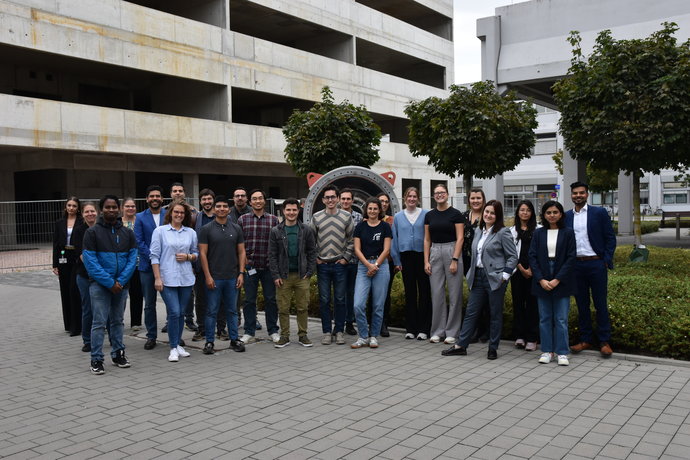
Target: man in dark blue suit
[[596, 244], [145, 224]]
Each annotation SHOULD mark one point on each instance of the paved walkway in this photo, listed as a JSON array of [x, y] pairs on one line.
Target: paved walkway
[[403, 400]]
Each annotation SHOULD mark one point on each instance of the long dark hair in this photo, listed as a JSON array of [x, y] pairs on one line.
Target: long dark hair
[[547, 205], [498, 210], [531, 223], [76, 200]]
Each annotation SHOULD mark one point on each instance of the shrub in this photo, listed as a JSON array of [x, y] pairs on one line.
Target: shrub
[[646, 226]]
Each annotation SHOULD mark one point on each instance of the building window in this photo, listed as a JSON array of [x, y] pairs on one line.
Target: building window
[[675, 198], [512, 188], [674, 185]]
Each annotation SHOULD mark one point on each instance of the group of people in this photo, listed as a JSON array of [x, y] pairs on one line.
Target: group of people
[[200, 260]]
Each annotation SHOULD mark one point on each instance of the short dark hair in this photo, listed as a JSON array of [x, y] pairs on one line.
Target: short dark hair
[[347, 190], [205, 192], [377, 202], [332, 187], [239, 188], [176, 184], [187, 221], [221, 199], [498, 211], [549, 204], [256, 190], [476, 190], [291, 200], [153, 188], [577, 184], [106, 198]]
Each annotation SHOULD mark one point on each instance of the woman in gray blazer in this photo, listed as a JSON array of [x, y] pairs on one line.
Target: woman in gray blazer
[[494, 257]]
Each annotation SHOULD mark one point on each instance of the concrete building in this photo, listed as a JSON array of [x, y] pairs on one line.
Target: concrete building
[[524, 47], [111, 96]]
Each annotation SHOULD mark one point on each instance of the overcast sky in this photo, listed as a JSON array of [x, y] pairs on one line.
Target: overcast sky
[[467, 46]]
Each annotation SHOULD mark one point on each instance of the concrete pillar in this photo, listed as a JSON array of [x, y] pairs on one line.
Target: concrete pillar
[[493, 188], [489, 32], [573, 171], [191, 186], [625, 204], [8, 218]]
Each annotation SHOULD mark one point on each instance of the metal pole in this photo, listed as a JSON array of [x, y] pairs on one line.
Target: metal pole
[[677, 226]]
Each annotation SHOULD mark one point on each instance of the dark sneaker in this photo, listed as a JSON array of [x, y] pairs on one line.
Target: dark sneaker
[[86, 348], [198, 336], [165, 329], [237, 345], [119, 359], [282, 342], [182, 344], [191, 326], [258, 325], [222, 334], [208, 348], [350, 329], [384, 331], [305, 342], [97, 368], [150, 344]]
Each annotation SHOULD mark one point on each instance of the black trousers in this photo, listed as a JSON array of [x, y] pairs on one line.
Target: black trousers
[[417, 293], [69, 294], [136, 299], [525, 310]]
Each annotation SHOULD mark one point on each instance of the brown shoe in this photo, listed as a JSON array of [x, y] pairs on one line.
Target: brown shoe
[[580, 346], [606, 350]]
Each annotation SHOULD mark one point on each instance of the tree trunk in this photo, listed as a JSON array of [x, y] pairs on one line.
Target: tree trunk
[[467, 183], [637, 223]]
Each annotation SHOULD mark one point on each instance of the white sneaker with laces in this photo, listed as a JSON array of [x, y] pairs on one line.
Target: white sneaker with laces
[[563, 360], [373, 343], [409, 336], [422, 336], [360, 343], [435, 339], [275, 337], [174, 356], [246, 338], [545, 358], [182, 352]]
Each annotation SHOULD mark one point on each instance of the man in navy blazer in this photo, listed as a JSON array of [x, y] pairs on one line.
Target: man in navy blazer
[[596, 243], [146, 222]]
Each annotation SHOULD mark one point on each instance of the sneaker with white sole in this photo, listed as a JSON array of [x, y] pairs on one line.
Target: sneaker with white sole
[[563, 360], [282, 342], [339, 338], [327, 339], [435, 339], [545, 358], [182, 352], [174, 356], [409, 336], [449, 340], [531, 346], [422, 336], [373, 343], [246, 338], [360, 343], [304, 341], [275, 337]]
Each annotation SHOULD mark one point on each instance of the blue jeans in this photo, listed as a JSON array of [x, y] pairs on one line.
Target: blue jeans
[[351, 273], [334, 274], [251, 288], [481, 295], [150, 294], [86, 313], [107, 308], [378, 285], [592, 275], [553, 324], [227, 290], [176, 299]]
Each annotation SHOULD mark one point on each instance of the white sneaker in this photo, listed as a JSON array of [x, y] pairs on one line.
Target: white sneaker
[[545, 358], [563, 360], [174, 356], [409, 336], [449, 340], [246, 338], [373, 343], [422, 336], [435, 339], [182, 352], [275, 337], [360, 343]]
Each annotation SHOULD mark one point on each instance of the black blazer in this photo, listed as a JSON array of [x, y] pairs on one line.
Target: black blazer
[[564, 267], [60, 237]]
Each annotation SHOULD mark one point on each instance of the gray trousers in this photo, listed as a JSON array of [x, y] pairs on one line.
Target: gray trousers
[[445, 319]]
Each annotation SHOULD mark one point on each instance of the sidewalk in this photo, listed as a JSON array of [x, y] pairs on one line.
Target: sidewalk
[[403, 400]]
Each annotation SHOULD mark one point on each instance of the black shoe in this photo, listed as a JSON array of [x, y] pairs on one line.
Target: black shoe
[[97, 368], [237, 345], [86, 348], [222, 334], [74, 334], [350, 329], [182, 344], [208, 348], [191, 326], [384, 331], [453, 351], [198, 336], [150, 344], [165, 329], [258, 325], [484, 339], [119, 359], [493, 354]]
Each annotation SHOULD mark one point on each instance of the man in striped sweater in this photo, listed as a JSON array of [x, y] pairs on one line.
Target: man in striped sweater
[[333, 228]]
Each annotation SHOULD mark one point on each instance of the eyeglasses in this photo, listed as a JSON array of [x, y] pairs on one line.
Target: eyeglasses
[[241, 196], [330, 197]]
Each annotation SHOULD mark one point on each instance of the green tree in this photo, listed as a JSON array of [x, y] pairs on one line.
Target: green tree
[[475, 132], [329, 136], [626, 107]]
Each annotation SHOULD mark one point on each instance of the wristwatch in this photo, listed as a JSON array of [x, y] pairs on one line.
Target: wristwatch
[[455, 259]]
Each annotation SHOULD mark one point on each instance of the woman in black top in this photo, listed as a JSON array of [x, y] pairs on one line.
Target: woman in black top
[[525, 311], [64, 260]]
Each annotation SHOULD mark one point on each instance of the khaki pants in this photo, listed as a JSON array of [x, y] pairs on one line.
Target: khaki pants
[[300, 288]]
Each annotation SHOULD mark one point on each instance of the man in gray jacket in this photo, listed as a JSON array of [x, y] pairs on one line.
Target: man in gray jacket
[[292, 261]]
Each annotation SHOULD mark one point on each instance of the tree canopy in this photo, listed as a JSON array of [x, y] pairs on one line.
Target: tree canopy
[[329, 136], [475, 132]]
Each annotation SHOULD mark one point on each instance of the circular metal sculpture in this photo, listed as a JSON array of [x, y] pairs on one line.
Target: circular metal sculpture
[[362, 181]]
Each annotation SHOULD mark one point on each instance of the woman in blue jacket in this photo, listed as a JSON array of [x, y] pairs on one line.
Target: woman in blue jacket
[[552, 259], [407, 251]]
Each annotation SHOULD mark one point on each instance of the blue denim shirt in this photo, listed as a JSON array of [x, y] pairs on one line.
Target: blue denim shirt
[[165, 243]]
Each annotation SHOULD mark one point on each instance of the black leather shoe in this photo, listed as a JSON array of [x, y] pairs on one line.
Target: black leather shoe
[[493, 354], [350, 329], [384, 331], [164, 330], [86, 348], [454, 351], [150, 344]]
